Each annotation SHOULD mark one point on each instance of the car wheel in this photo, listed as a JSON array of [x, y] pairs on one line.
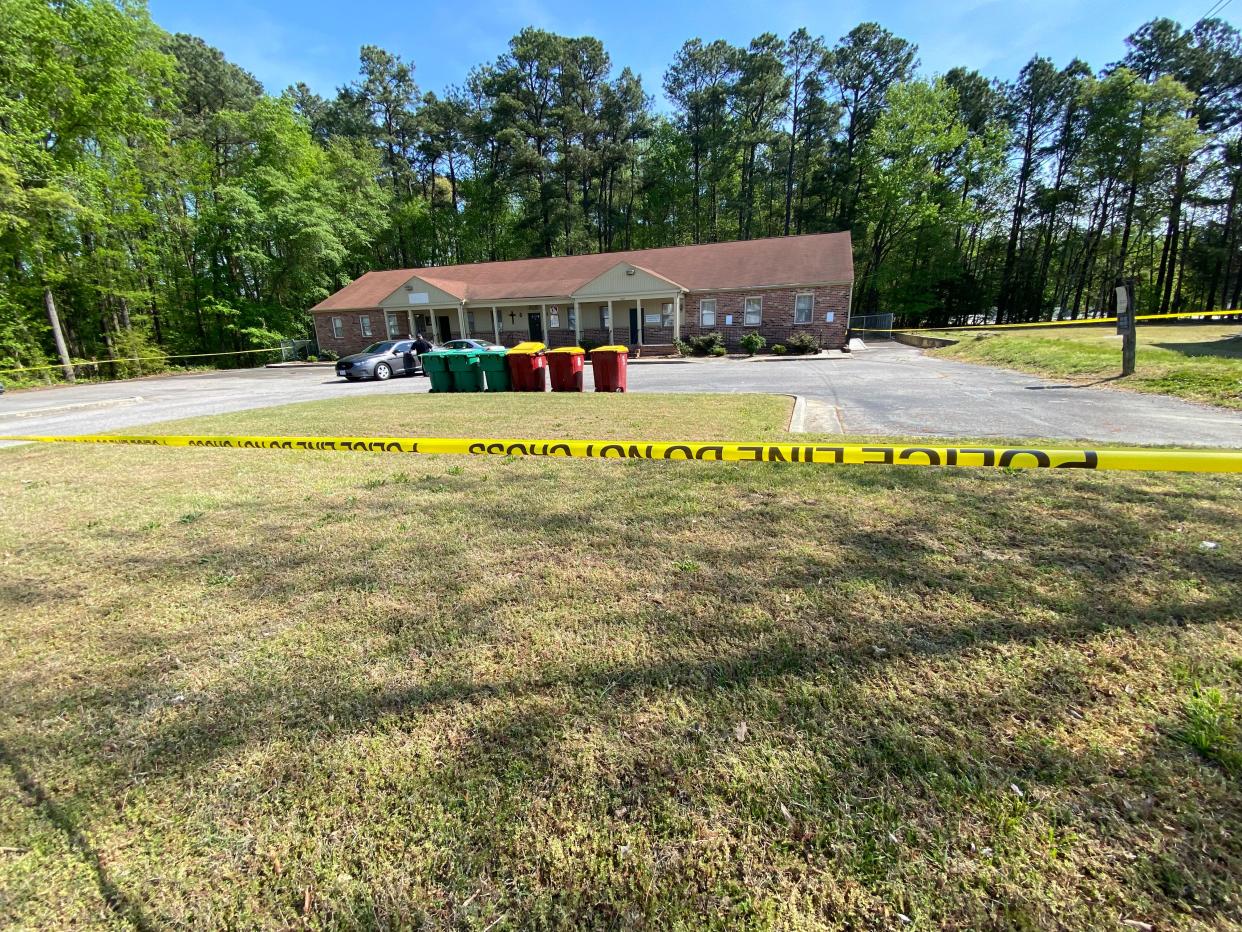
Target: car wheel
[[383, 372]]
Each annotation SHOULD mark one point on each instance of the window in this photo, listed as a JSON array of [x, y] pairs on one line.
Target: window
[[470, 321], [336, 328], [752, 315], [394, 324], [804, 308], [707, 312], [604, 316], [365, 323], [666, 314], [571, 319]]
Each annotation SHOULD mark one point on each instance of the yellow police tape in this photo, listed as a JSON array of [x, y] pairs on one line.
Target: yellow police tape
[[877, 454], [1077, 322]]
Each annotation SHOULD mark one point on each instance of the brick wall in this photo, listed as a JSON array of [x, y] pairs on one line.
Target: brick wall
[[351, 339], [777, 325], [778, 316]]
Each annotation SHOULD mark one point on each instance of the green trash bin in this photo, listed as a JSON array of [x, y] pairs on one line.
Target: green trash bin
[[495, 370], [464, 366], [435, 364]]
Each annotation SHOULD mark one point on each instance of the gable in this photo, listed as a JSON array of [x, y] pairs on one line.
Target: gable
[[625, 278], [418, 292]]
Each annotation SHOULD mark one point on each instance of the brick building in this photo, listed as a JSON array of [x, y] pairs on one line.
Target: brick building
[[642, 298]]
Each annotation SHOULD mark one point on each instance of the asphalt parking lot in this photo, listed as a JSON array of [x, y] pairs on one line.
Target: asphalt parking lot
[[887, 390]]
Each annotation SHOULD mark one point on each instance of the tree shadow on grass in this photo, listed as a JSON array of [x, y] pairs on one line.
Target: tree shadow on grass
[[122, 904], [1223, 348], [783, 659]]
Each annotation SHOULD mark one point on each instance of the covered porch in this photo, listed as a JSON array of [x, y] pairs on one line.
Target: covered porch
[[626, 304]]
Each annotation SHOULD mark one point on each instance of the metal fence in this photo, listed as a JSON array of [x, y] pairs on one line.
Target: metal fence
[[872, 325], [291, 350]]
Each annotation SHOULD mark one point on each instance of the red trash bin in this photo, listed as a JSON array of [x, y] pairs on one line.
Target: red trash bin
[[565, 368], [608, 364], [527, 367]]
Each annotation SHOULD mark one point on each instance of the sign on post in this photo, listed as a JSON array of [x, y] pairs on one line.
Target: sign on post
[[1123, 310]]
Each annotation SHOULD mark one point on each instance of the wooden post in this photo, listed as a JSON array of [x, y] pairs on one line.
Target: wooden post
[[58, 335], [1123, 310]]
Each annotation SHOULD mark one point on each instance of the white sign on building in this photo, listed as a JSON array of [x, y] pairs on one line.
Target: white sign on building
[[419, 297]]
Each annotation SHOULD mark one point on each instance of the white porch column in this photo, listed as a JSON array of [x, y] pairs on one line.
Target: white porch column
[[495, 324], [612, 340], [677, 317], [577, 323], [543, 324], [639, 317], [435, 329], [461, 319], [409, 318]]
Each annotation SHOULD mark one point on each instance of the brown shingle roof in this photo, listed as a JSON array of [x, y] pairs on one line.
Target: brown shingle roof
[[756, 263]]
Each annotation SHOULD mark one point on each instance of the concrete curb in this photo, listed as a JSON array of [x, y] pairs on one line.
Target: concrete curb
[[797, 419], [915, 339], [814, 357]]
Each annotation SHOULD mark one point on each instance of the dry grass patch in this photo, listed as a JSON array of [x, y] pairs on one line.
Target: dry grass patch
[[253, 688]]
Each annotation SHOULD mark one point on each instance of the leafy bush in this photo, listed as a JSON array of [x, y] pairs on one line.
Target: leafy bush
[[753, 342], [705, 344], [138, 351], [717, 351], [683, 348], [328, 355], [779, 349], [589, 345], [312, 358], [803, 343]]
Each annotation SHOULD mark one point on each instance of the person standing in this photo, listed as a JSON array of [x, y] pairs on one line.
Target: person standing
[[422, 345]]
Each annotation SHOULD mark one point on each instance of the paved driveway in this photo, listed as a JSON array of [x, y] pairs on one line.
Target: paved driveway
[[887, 390]]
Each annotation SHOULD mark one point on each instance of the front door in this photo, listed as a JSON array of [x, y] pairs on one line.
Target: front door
[[536, 327], [446, 332], [636, 327]]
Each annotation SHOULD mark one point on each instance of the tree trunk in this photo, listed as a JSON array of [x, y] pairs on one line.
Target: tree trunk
[[1175, 229], [1181, 270], [58, 335]]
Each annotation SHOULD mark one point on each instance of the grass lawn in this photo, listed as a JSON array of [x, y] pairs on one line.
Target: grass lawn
[[1201, 362], [266, 689]]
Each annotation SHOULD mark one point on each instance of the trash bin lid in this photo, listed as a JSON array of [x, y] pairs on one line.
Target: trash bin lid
[[569, 350], [527, 349], [611, 349]]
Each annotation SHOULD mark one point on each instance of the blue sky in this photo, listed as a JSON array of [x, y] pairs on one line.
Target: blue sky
[[317, 41]]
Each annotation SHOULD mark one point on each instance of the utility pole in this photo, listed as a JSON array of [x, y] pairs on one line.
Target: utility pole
[[1123, 310], [54, 319]]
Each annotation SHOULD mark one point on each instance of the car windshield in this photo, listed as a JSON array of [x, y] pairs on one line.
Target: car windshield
[[383, 347]]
